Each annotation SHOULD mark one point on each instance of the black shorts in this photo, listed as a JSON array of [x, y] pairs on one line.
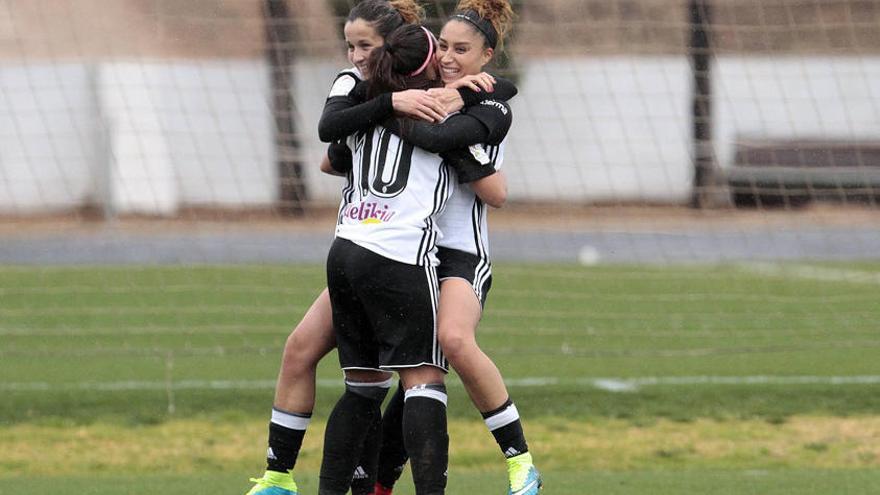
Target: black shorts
[[384, 311], [470, 267]]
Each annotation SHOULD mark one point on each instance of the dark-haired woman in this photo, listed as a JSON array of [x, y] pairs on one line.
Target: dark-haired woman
[[381, 275], [468, 41], [367, 25]]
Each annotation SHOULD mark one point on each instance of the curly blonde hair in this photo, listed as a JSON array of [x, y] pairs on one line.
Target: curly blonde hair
[[410, 11], [498, 12]]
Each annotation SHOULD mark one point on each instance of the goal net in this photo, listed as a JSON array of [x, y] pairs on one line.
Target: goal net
[[156, 107]]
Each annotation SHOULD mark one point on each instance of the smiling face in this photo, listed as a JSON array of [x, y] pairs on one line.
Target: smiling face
[[462, 51], [362, 39]]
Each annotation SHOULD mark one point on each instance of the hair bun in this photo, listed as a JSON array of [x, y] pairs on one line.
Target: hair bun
[[410, 10], [499, 13]]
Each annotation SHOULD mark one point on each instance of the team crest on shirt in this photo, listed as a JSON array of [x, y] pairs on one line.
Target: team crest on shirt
[[368, 212], [479, 154]]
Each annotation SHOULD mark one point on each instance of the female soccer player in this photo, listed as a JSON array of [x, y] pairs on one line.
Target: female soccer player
[[381, 275], [467, 43], [367, 25]]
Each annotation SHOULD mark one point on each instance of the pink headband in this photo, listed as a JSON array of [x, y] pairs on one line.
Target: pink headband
[[430, 53]]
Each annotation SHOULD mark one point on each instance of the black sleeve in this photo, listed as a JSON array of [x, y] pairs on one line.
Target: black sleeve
[[466, 165], [495, 115], [458, 131], [504, 90], [340, 156], [345, 115], [359, 93], [487, 122]]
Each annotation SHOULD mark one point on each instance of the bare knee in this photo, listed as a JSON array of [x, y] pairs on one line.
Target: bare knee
[[456, 340], [302, 353]]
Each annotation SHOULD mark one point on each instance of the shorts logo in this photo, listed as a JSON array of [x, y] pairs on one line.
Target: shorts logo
[[369, 213]]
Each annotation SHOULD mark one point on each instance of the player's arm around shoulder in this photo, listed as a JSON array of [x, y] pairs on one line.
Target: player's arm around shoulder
[[471, 90], [495, 115], [346, 109]]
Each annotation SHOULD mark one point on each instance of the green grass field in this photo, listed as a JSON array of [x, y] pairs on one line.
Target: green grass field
[[631, 379]]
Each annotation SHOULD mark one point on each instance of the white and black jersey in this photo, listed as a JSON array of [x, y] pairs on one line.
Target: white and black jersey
[[464, 249], [345, 112], [464, 221], [393, 194], [345, 82]]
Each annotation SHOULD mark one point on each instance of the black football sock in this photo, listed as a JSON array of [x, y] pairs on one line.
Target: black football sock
[[365, 473], [286, 432], [426, 438], [507, 429], [392, 459], [354, 415]]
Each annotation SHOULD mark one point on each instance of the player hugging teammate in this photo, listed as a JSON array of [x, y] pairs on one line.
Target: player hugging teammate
[[403, 297]]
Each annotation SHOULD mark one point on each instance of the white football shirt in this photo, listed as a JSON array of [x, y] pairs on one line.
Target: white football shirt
[[345, 81], [463, 221], [392, 196]]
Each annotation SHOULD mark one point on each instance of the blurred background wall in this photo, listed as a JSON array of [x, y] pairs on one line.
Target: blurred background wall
[[150, 106]]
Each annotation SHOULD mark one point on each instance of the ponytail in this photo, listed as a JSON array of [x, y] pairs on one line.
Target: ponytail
[[410, 11], [383, 77], [402, 61]]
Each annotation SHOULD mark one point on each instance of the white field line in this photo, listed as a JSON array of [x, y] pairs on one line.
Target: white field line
[[291, 311], [506, 292], [66, 290], [609, 384], [806, 272]]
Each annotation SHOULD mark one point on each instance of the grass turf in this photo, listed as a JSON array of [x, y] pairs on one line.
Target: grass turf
[[137, 347], [127, 343], [838, 482]]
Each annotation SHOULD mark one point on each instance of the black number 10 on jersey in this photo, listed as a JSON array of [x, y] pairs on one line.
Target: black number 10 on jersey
[[384, 171]]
